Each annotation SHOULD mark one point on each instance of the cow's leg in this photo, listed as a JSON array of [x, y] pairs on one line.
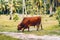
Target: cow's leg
[[22, 29], [37, 27], [41, 27], [28, 29], [34, 26]]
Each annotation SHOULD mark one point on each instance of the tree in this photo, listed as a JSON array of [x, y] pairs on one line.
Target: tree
[[11, 10], [24, 8]]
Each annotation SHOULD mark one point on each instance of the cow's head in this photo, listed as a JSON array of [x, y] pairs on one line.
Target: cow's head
[[19, 27]]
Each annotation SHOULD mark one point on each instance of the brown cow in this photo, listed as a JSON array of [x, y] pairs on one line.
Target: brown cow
[[30, 21]]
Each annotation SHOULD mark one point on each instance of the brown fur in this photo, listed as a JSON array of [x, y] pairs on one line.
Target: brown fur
[[30, 21]]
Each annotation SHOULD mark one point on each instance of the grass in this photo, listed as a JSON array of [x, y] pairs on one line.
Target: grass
[[54, 30], [50, 25], [7, 25], [4, 37]]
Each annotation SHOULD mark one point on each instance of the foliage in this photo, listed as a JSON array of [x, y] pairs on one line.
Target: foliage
[[58, 17], [15, 18], [5, 6], [4, 37], [47, 7], [17, 5]]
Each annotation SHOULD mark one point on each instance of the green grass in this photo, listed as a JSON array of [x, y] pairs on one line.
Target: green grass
[[54, 30], [50, 26], [4, 37], [8, 25]]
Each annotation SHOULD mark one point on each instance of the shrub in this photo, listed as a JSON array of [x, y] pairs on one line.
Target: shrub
[[58, 17], [15, 18]]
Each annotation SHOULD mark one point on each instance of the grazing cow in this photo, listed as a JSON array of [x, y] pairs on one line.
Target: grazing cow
[[30, 21]]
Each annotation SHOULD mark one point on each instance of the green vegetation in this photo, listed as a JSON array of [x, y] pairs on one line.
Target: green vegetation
[[53, 30], [58, 15], [15, 18], [4, 37], [8, 25], [33, 5]]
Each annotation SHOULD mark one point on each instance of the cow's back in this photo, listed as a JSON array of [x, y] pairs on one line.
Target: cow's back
[[31, 21], [34, 21]]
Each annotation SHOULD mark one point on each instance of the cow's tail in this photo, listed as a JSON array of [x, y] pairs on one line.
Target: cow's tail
[[41, 25], [41, 22]]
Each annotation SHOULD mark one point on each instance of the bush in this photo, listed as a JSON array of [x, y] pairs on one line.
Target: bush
[[15, 18], [58, 17]]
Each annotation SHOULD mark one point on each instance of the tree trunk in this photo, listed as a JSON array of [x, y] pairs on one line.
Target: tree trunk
[[50, 10], [24, 8], [11, 10]]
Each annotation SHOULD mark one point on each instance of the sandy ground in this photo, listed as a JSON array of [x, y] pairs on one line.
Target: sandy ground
[[30, 36]]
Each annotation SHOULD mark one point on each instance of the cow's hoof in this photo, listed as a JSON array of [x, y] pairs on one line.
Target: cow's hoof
[[22, 31]]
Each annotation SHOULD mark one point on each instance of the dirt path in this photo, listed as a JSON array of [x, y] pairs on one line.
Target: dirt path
[[30, 36]]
